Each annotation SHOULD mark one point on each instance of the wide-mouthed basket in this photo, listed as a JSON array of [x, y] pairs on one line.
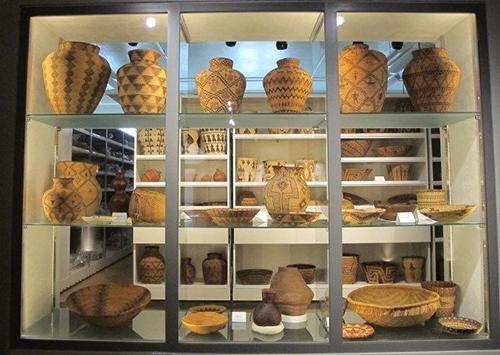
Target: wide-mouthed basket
[[355, 147], [350, 264], [204, 322], [393, 306], [392, 210], [447, 290], [208, 308], [254, 276], [430, 198], [296, 218], [355, 174], [108, 305], [232, 216], [399, 172], [214, 140], [355, 199], [308, 271], [403, 198], [448, 213], [459, 325], [380, 272], [392, 151], [147, 206], [361, 215], [198, 215]]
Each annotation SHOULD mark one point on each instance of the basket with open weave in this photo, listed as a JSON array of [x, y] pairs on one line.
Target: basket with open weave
[[393, 306]]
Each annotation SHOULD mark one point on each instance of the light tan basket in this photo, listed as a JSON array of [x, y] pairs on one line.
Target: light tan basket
[[431, 198], [214, 140], [399, 172], [448, 213], [355, 174], [355, 147], [361, 215], [392, 151], [231, 216], [147, 206], [447, 290]]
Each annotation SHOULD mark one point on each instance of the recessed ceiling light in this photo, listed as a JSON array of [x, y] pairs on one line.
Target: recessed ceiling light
[[151, 22], [340, 20]]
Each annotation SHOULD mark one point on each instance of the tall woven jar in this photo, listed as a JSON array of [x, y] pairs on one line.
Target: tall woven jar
[[447, 291], [151, 267], [287, 86], [363, 79], [142, 83], [286, 191], [62, 203], [214, 269], [431, 79], [75, 77], [220, 87]]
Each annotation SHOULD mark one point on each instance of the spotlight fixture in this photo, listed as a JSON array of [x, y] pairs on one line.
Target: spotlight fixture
[[133, 44], [151, 22], [397, 45], [231, 43], [281, 45]]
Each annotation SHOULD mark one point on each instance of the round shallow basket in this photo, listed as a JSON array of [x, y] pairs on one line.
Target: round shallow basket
[[380, 272], [448, 213], [361, 215], [108, 305], [355, 199], [355, 174], [350, 264], [355, 147], [228, 216], [357, 331], [254, 276], [430, 198], [207, 308], [400, 172], [403, 198], [296, 218], [307, 271], [393, 306], [204, 322], [198, 215], [392, 151], [459, 325], [392, 210]]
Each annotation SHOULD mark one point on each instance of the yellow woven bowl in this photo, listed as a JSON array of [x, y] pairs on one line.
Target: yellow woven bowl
[[204, 322], [361, 215], [228, 216], [448, 213]]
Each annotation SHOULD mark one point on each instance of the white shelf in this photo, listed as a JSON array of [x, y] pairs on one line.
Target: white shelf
[[383, 160], [281, 236], [254, 292], [292, 136], [202, 207], [203, 236], [384, 183], [150, 157], [204, 156], [382, 136], [157, 290], [264, 183], [390, 234], [198, 291], [203, 184], [150, 184]]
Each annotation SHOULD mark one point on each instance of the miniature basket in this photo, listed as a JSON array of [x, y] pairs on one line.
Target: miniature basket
[[214, 140], [355, 174], [459, 325], [231, 216], [392, 151], [147, 206], [308, 271], [430, 198], [350, 264], [448, 213], [254, 276], [447, 290], [361, 215], [108, 305], [399, 172], [392, 210], [355, 147], [393, 306], [380, 272]]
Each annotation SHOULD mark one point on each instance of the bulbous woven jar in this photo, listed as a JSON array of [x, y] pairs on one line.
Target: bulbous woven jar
[[188, 271], [293, 296], [220, 87], [431, 79], [142, 83], [120, 199], [286, 191], [85, 182], [214, 269], [62, 203], [75, 77], [363, 79], [287, 86], [151, 267]]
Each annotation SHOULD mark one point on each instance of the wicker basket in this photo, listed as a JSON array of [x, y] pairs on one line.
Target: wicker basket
[[392, 210], [151, 141], [355, 174], [431, 198], [108, 305], [232, 216], [214, 140], [350, 264], [147, 206], [459, 325], [448, 213], [392, 151], [361, 215], [399, 172], [307, 271], [403, 198], [380, 272], [254, 276], [355, 147], [208, 308], [393, 306], [355, 199], [447, 290], [198, 215]]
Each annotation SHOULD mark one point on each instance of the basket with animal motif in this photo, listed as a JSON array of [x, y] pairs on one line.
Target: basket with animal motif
[[355, 147]]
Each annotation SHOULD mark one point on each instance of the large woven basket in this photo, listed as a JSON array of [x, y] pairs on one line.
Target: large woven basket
[[431, 198], [214, 140], [108, 305], [355, 174], [398, 172], [350, 264], [355, 147], [147, 206], [448, 213], [447, 290], [393, 306], [232, 216]]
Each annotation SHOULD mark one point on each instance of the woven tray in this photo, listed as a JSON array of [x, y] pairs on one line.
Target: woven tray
[[355, 174], [459, 325], [254, 276], [393, 305], [355, 147], [361, 215], [448, 213], [232, 216]]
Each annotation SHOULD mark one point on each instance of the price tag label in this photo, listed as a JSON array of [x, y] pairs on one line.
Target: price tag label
[[238, 317], [379, 178]]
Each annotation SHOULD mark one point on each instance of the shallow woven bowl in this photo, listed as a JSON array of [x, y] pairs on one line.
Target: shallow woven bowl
[[226, 216], [355, 199], [391, 210], [403, 198], [448, 213], [355, 147], [308, 271], [204, 322], [355, 174], [254, 276], [459, 325], [108, 305], [198, 215], [296, 217], [393, 306], [392, 151], [207, 308], [361, 215]]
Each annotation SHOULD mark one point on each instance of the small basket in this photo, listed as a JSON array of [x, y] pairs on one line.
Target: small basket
[[399, 172], [254, 276], [307, 271], [392, 151], [459, 325], [431, 198], [392, 210], [447, 290], [350, 264], [355, 174], [214, 140], [448, 213], [232, 216], [380, 272], [361, 215], [355, 147]]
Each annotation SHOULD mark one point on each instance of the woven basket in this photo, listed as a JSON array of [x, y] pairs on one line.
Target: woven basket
[[380, 272], [147, 206], [392, 151], [151, 141], [459, 325], [403, 198], [355, 199], [392, 210], [361, 215], [108, 305], [431, 198], [350, 264], [355, 174], [254, 276], [399, 172], [447, 290], [232, 216], [393, 306], [214, 140], [307, 271], [355, 147], [448, 213]]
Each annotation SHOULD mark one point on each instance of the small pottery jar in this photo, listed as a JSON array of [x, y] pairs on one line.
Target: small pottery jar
[[363, 79], [85, 182], [287, 86], [380, 272], [413, 267], [75, 77], [447, 291], [62, 203], [246, 169], [190, 141], [286, 191], [151, 175], [151, 141], [220, 87], [307, 168], [188, 272], [214, 269], [214, 140], [142, 83], [151, 267], [350, 264], [266, 317], [269, 166], [219, 175], [431, 79], [293, 296], [147, 206], [120, 199]]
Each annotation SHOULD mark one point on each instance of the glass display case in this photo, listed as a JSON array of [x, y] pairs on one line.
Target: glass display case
[[299, 178]]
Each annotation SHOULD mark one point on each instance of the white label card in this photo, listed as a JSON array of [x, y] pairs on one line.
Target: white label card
[[239, 316], [379, 178], [405, 218]]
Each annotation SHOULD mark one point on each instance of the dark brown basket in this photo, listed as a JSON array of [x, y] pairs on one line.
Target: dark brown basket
[[380, 272], [350, 264], [308, 271], [254, 276]]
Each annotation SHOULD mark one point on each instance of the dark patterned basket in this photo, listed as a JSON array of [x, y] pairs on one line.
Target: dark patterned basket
[[254, 276], [308, 271]]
